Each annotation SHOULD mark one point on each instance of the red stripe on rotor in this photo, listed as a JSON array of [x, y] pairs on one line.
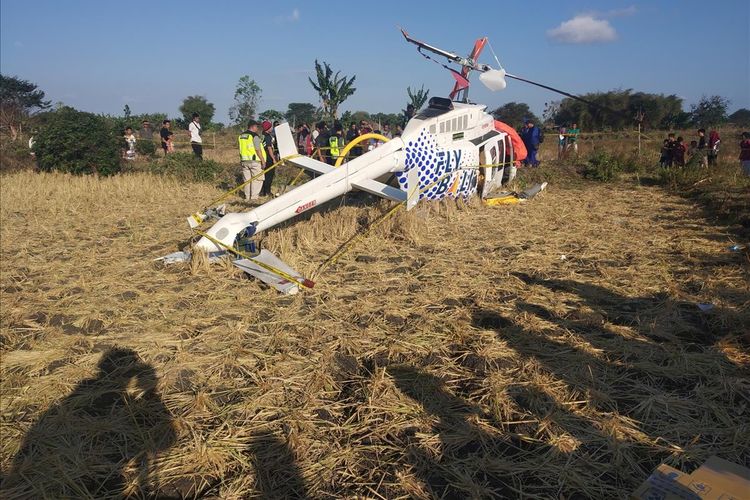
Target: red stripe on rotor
[[478, 47]]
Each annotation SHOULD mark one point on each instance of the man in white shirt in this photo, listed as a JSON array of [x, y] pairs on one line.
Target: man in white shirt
[[195, 136]]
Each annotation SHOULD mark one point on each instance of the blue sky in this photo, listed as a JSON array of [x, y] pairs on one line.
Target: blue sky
[[99, 56]]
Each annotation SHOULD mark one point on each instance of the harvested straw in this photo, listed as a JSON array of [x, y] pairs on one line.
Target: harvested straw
[[553, 349]]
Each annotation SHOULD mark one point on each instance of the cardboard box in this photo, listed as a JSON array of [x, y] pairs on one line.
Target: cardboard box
[[666, 483], [718, 479]]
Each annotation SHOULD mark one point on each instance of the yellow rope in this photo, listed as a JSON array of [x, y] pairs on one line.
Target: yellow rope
[[343, 249], [236, 189]]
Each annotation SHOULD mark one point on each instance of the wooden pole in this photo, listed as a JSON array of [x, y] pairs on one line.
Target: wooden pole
[[639, 117]]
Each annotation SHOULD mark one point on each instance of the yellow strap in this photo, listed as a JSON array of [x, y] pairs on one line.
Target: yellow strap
[[343, 249], [236, 189]]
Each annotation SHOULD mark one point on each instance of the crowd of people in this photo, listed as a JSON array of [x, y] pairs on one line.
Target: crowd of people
[[703, 151], [258, 148], [146, 133], [327, 145], [533, 136]]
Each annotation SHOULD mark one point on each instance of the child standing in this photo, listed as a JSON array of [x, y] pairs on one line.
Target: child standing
[[678, 153], [561, 143], [713, 147], [130, 141]]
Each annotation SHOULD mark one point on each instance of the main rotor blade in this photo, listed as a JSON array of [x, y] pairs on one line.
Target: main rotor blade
[[450, 55], [568, 94]]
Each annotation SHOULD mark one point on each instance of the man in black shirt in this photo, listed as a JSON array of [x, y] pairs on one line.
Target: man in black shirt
[[166, 137], [270, 158], [321, 142], [670, 149], [352, 134]]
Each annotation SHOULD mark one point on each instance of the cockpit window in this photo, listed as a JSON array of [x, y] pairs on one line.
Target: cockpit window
[[430, 113]]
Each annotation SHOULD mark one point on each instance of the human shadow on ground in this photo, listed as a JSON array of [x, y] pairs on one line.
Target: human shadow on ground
[[591, 394], [617, 376], [684, 320], [474, 462], [277, 474], [100, 441], [460, 438]]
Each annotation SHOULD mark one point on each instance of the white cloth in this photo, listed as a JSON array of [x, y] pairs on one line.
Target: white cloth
[[195, 132]]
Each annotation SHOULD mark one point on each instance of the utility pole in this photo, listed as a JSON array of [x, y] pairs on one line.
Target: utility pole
[[639, 118]]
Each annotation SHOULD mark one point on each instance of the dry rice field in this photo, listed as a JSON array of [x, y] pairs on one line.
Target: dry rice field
[[550, 350]]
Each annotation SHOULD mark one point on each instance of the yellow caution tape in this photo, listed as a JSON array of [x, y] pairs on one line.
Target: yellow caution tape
[[306, 283]]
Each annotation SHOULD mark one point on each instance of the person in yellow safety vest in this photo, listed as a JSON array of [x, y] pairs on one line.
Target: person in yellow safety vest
[[336, 142], [252, 159]]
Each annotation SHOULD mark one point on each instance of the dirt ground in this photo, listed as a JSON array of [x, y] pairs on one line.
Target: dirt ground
[[552, 350]]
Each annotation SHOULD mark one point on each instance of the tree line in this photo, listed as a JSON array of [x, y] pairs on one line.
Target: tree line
[[624, 109], [21, 101]]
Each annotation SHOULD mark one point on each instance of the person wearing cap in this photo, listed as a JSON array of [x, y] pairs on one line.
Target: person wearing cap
[[268, 145], [252, 159], [335, 143]]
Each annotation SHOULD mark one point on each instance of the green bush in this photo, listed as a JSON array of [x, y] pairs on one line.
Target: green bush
[[604, 167], [77, 142], [145, 148], [186, 166], [675, 177], [118, 123], [14, 155]]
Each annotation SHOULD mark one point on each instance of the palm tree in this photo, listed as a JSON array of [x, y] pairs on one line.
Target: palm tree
[[417, 98], [332, 89]]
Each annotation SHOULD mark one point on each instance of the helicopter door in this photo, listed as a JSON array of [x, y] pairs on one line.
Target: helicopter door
[[499, 170], [491, 154]]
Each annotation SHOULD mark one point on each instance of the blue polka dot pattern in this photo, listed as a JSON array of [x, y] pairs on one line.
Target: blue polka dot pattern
[[425, 155]]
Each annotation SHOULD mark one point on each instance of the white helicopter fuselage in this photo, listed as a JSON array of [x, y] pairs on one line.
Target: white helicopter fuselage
[[449, 144]]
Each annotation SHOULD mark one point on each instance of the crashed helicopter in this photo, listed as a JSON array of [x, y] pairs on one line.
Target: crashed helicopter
[[452, 148]]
